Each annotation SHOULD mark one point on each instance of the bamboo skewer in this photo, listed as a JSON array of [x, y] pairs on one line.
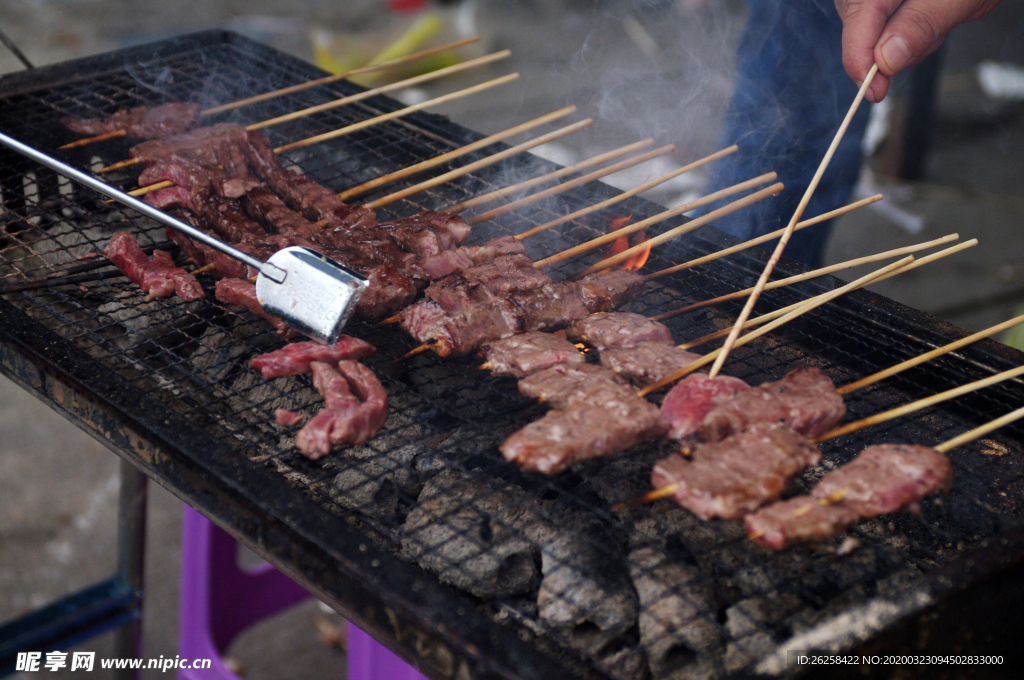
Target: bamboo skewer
[[928, 356], [452, 155], [692, 224], [547, 177], [476, 165], [571, 184], [766, 237], [840, 266], [803, 308], [757, 321], [627, 194], [980, 431], [885, 416], [209, 267], [348, 129], [784, 239], [655, 219], [390, 87], [292, 89]]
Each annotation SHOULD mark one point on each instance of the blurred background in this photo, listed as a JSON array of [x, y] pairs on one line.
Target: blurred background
[[946, 149]]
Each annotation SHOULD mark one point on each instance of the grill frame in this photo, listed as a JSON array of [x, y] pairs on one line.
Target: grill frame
[[411, 612]]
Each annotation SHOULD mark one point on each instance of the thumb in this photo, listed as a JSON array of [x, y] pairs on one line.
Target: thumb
[[918, 27]]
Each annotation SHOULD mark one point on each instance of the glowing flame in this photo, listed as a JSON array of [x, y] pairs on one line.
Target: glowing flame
[[635, 261]]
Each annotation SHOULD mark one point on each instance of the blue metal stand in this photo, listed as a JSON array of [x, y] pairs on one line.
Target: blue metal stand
[[115, 602]]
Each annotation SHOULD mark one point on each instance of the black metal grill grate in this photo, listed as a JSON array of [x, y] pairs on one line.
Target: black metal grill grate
[[612, 595]]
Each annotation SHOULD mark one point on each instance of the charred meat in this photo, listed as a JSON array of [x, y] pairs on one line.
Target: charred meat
[[141, 122]]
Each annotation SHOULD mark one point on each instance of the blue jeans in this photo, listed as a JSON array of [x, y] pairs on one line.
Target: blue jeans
[[791, 96]]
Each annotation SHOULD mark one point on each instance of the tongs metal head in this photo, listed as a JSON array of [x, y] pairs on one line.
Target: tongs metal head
[[309, 292], [317, 295]]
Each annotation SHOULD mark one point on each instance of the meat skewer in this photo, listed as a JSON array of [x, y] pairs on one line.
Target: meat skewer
[[882, 479], [115, 133], [348, 129], [730, 341], [673, 488]]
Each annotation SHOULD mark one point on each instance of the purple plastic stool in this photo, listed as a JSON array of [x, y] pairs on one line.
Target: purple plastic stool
[[219, 600]]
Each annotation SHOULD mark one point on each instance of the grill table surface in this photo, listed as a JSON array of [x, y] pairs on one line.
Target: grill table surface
[[166, 385]]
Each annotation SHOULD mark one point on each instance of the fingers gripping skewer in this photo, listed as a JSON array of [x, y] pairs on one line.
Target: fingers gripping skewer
[[757, 321], [292, 88], [483, 162], [627, 194], [784, 239], [688, 226], [572, 184], [805, 307], [547, 177], [452, 155], [348, 129], [906, 250], [767, 237]]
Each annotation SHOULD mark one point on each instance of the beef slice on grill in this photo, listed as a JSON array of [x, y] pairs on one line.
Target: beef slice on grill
[[798, 520], [563, 438], [562, 386], [647, 362], [474, 536], [610, 330], [610, 290], [677, 615], [528, 353], [739, 474], [689, 402]]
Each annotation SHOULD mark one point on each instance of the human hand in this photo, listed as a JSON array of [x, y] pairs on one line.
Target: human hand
[[896, 34]]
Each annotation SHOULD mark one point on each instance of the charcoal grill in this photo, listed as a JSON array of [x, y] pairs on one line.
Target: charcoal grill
[[424, 537]]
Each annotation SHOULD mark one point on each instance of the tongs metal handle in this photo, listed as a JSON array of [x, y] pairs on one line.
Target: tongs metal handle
[[274, 273]]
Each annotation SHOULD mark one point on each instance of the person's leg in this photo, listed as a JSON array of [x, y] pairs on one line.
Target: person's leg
[[791, 94]]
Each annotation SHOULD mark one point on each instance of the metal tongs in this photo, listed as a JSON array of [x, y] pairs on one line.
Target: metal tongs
[[309, 292]]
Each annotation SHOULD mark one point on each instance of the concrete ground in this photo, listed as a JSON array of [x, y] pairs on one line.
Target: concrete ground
[[650, 68]]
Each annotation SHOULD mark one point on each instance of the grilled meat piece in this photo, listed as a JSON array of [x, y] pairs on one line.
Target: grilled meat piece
[[301, 193], [613, 330], [454, 292], [689, 402], [198, 179], [141, 122], [464, 257], [241, 293], [805, 399], [202, 254], [549, 307], [288, 418], [157, 277], [564, 386], [738, 474], [199, 145], [647, 362], [428, 232], [887, 478], [295, 358], [344, 419], [606, 291], [798, 520], [507, 274], [263, 205], [563, 438], [527, 353]]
